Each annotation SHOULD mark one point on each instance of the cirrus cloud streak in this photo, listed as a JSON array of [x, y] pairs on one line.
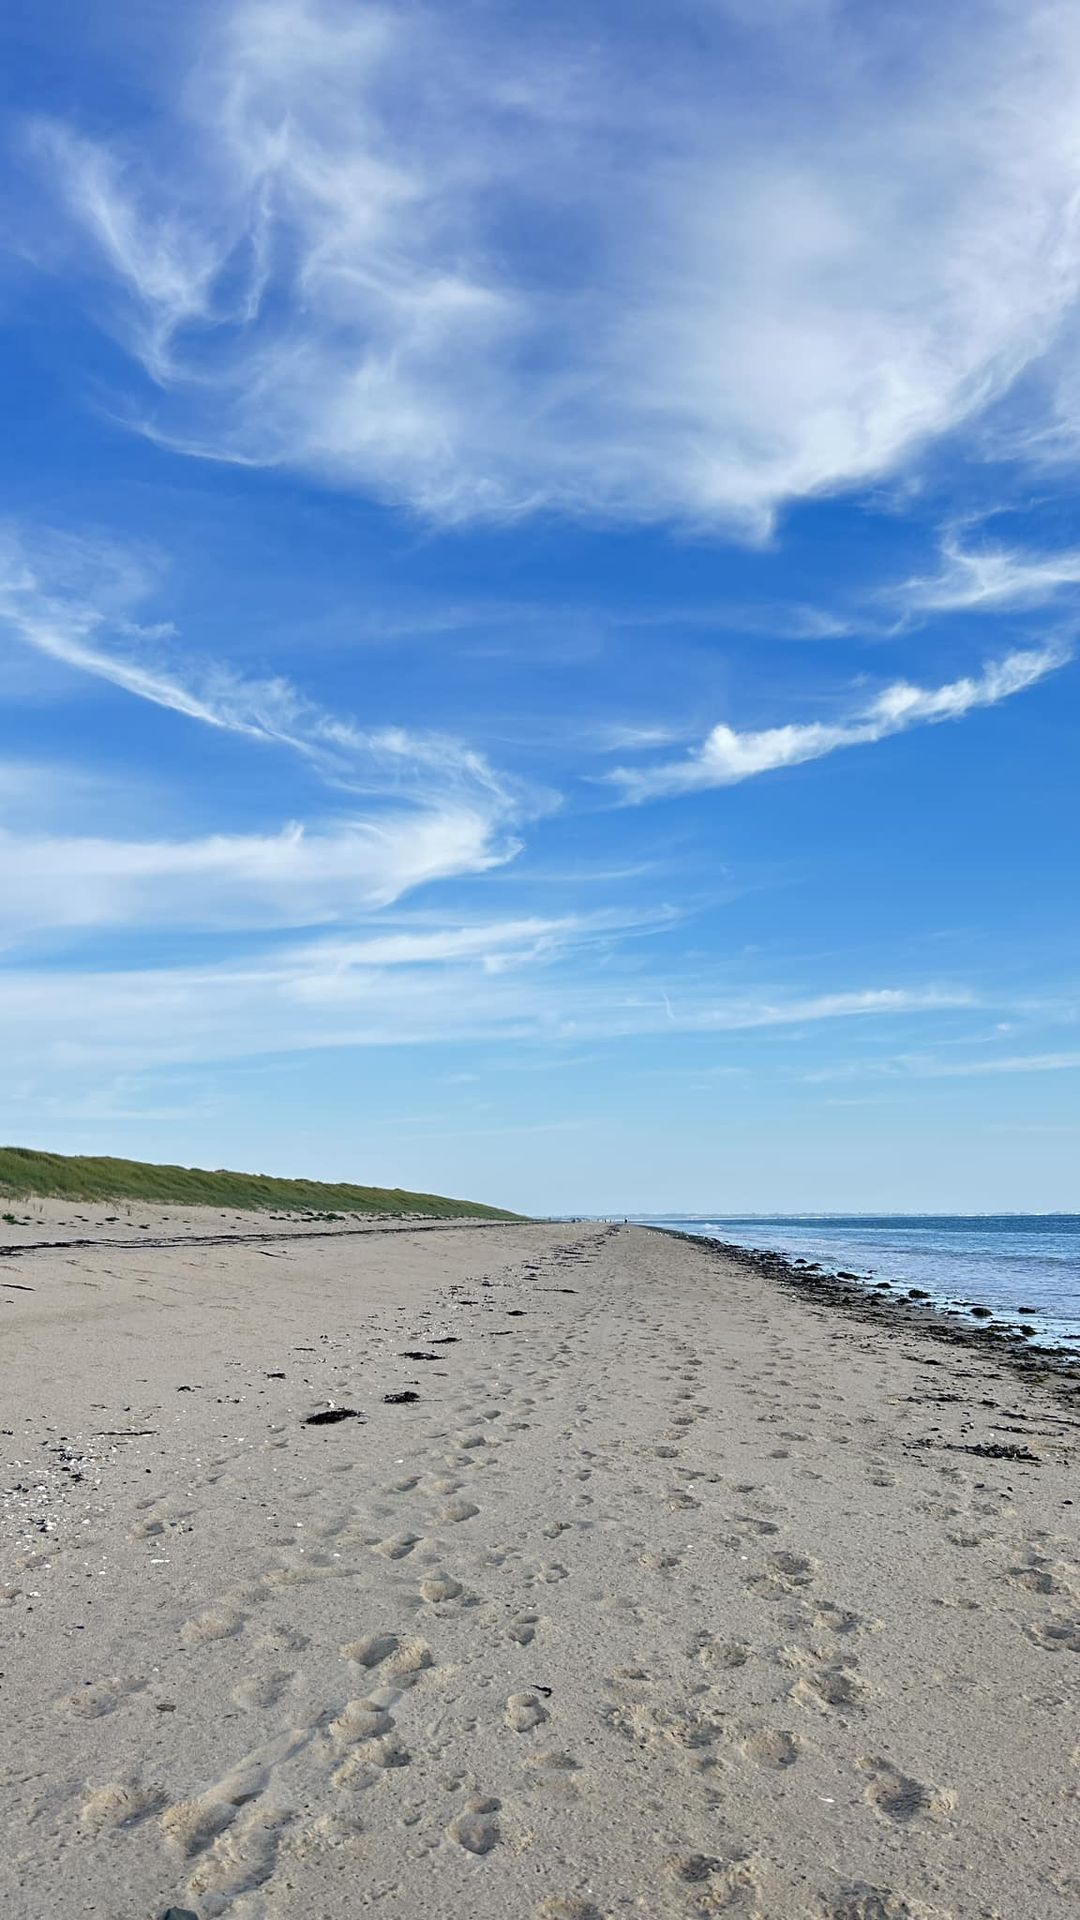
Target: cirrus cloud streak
[[334, 253], [505, 982], [438, 808], [727, 756]]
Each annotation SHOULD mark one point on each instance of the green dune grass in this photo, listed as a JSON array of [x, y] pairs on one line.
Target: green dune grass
[[25, 1173]]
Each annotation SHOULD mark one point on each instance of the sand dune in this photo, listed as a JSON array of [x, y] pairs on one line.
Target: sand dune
[[634, 1585]]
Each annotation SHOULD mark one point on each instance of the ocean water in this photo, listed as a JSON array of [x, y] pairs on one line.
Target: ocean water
[[1002, 1261]]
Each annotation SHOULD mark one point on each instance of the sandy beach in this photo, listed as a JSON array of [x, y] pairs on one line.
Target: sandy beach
[[636, 1583]]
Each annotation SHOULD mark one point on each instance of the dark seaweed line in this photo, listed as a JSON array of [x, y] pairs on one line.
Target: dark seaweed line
[[260, 1239]]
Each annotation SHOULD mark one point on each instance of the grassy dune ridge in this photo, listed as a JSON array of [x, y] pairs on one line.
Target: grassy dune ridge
[[24, 1172]]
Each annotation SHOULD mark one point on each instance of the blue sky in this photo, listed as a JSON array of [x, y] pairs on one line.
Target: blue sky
[[539, 582]]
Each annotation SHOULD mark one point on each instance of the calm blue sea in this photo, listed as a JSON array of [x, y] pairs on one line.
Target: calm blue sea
[[1003, 1261]]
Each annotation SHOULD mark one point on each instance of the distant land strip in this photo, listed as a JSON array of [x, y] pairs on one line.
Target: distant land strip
[[26, 1173]]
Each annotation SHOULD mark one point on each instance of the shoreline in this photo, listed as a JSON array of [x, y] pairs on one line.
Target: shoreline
[[630, 1578], [887, 1302]]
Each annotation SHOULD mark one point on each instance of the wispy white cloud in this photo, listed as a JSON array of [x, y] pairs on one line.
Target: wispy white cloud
[[440, 810], [336, 256], [929, 1066], [504, 982], [293, 878], [171, 267], [627, 737], [936, 1069], [1063, 1062], [990, 579], [488, 943], [839, 1006], [495, 945], [90, 629], [727, 757]]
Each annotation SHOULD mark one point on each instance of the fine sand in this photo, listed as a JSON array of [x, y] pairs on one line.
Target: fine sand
[[672, 1591]]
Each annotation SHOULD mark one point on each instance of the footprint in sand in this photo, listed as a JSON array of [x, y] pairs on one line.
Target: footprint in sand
[[630, 1679], [831, 1688], [657, 1561], [402, 1660], [1060, 1633], [863, 1902], [476, 1832], [842, 1620], [795, 1568], [158, 1521], [243, 1856], [524, 1711], [824, 1683], [408, 1661], [898, 1798], [359, 1720], [655, 1728], [1034, 1575], [398, 1546], [120, 1804], [329, 1832], [371, 1650], [189, 1826], [99, 1696], [384, 1751], [281, 1639], [218, 1623], [732, 1885], [770, 1747], [786, 1574], [725, 1654], [551, 1764], [458, 1510], [523, 1629], [261, 1689], [440, 1587]]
